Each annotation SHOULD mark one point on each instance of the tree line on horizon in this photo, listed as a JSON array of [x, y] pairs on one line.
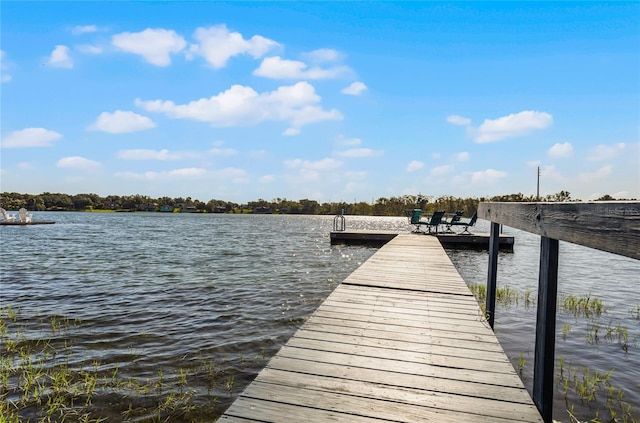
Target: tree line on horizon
[[391, 206]]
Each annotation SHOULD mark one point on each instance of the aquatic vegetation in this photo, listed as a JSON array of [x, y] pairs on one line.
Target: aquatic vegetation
[[505, 296], [590, 395], [480, 292], [42, 379], [587, 386], [566, 328], [521, 363], [582, 306], [635, 312]]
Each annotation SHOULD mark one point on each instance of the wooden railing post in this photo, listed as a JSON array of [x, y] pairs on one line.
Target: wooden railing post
[[494, 246], [544, 359]]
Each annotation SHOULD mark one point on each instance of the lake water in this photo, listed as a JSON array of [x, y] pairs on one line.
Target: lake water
[[192, 306]]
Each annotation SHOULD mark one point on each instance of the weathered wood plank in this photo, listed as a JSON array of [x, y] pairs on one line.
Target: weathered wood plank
[[443, 330], [608, 226], [407, 380], [435, 357], [399, 345], [490, 407], [441, 323], [362, 406], [463, 313], [397, 366], [251, 409], [431, 337], [401, 295]]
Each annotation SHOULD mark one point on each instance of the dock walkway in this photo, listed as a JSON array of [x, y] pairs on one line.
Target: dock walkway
[[402, 339]]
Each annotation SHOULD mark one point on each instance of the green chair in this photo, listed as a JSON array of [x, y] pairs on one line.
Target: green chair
[[415, 219], [467, 224]]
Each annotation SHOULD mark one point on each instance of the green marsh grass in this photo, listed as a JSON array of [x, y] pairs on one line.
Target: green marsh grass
[[590, 395], [582, 306], [38, 383], [635, 312]]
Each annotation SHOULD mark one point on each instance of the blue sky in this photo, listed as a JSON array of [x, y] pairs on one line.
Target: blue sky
[[329, 101]]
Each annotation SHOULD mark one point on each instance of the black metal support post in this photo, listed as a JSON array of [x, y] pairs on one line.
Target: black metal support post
[[546, 328], [494, 246]]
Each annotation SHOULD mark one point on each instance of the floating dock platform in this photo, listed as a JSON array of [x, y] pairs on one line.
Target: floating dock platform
[[18, 223], [477, 241]]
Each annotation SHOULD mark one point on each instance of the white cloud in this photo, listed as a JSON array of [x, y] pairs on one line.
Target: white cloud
[[235, 175], [222, 151], [120, 122], [463, 156], [242, 105], [76, 162], [414, 165], [324, 165], [217, 45], [359, 152], [560, 150], [144, 154], [322, 55], [534, 163], [487, 177], [356, 88], [30, 137], [291, 132], [550, 172], [258, 155], [278, 68], [266, 179], [26, 166], [597, 175], [155, 45], [604, 152], [513, 125], [441, 170], [4, 75], [83, 29], [348, 142], [458, 120], [436, 156], [356, 175], [188, 173], [60, 58], [89, 49]]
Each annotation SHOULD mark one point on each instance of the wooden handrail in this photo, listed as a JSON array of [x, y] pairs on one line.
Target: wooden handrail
[[612, 226]]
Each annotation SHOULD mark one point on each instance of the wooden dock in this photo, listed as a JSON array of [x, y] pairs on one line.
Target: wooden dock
[[19, 223], [402, 339], [476, 241]]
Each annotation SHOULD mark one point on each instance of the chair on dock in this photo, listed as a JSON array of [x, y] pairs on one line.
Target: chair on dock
[[432, 223], [454, 219], [467, 224], [435, 221], [414, 217], [6, 216]]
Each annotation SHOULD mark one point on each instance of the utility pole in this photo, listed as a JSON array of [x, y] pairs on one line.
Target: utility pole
[[538, 188]]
